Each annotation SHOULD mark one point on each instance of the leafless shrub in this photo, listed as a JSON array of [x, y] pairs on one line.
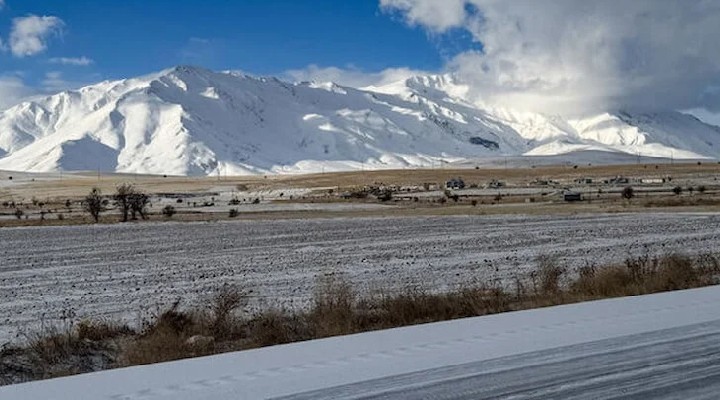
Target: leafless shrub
[[333, 306], [93, 204], [628, 192], [168, 211], [223, 306], [549, 276]]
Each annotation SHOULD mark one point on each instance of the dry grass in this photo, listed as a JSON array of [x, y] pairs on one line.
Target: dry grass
[[77, 185], [221, 324], [54, 192], [644, 275], [61, 350], [174, 333], [683, 201]]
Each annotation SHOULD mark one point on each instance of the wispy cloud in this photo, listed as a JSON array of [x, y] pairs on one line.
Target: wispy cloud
[[350, 76], [29, 35], [54, 81], [13, 90], [200, 51], [77, 61]]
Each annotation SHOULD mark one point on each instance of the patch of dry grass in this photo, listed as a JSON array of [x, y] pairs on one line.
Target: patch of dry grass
[[221, 324]]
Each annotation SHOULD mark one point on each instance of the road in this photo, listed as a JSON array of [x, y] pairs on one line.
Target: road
[[679, 363]]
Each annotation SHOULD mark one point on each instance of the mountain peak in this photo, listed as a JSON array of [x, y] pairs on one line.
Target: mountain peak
[[188, 120]]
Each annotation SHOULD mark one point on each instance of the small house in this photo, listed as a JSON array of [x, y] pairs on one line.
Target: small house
[[540, 182], [618, 180], [455, 183], [652, 181], [572, 196], [494, 184]]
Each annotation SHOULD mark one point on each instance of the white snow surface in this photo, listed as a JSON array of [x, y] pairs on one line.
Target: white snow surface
[[192, 121], [321, 364]]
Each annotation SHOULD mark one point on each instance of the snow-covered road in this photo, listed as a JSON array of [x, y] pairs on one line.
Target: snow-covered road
[[120, 270], [680, 363], [658, 346]]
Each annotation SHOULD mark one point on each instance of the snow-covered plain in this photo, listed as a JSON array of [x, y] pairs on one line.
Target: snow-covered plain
[[663, 346], [192, 121], [120, 270]]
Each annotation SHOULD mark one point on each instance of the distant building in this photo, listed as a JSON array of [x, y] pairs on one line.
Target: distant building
[[652, 180], [494, 184], [618, 180], [455, 183], [572, 196]]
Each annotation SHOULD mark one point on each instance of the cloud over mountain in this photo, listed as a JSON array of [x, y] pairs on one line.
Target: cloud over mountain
[[567, 56], [350, 76]]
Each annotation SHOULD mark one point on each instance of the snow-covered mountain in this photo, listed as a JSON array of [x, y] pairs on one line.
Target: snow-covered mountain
[[191, 121]]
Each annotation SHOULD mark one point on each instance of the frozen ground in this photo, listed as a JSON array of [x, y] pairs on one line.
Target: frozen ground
[[663, 346], [122, 269]]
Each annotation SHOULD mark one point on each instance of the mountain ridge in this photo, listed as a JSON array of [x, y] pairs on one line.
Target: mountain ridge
[[192, 121]]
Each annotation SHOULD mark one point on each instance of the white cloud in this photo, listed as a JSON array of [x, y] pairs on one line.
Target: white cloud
[[2, 4], [572, 56], [55, 82], [29, 34], [12, 91], [437, 15], [350, 76], [77, 61]]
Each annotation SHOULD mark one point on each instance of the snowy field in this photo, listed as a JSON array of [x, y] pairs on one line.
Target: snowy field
[[121, 270], [662, 346]]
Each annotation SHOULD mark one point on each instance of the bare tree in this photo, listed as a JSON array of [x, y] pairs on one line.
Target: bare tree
[[121, 199], [130, 201], [93, 204], [138, 204]]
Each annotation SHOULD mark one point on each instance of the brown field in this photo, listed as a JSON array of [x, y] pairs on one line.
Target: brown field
[[78, 184], [53, 190]]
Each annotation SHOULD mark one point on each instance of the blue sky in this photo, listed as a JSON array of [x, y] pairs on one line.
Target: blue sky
[[268, 37], [549, 56]]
